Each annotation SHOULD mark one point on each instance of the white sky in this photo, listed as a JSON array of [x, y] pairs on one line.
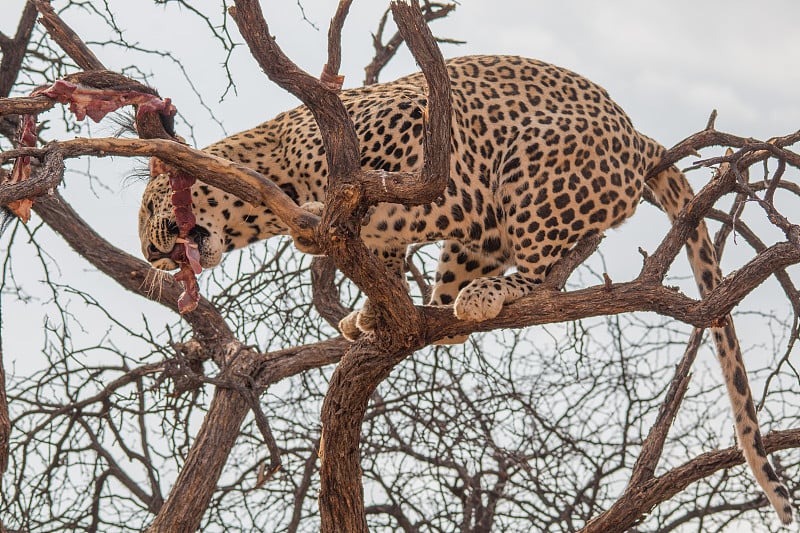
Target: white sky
[[668, 64]]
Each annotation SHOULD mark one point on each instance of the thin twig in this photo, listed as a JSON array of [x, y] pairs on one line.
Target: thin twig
[[653, 445]]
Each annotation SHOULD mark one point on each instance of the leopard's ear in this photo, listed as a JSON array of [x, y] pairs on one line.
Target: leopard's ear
[[290, 191]]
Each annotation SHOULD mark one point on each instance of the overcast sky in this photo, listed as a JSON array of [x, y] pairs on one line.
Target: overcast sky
[[668, 64]]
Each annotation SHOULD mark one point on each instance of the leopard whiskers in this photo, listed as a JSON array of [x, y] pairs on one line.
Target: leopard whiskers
[[154, 282]]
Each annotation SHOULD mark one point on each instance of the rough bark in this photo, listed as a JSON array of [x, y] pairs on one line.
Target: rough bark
[[191, 494], [369, 361]]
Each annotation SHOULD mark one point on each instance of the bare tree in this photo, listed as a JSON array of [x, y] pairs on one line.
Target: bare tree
[[234, 418]]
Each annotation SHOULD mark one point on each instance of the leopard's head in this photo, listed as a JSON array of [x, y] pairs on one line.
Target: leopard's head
[[158, 229]]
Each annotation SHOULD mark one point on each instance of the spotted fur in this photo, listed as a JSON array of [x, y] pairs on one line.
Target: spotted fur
[[540, 157]]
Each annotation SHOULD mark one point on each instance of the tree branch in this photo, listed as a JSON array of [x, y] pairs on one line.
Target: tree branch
[[548, 306], [232, 177], [128, 271], [639, 500], [653, 445], [330, 72], [385, 52], [14, 49], [325, 295], [66, 38]]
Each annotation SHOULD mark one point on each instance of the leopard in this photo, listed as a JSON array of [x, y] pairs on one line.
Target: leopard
[[540, 158]]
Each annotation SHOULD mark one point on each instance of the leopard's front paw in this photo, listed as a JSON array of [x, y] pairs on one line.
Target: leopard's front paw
[[480, 300], [357, 322], [348, 326], [314, 208], [366, 319], [301, 243]]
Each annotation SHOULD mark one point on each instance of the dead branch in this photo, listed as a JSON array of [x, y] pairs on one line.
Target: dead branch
[[653, 445], [45, 180], [67, 39], [640, 500], [711, 137], [25, 105], [232, 177], [385, 52], [325, 295], [547, 306], [14, 49], [330, 72]]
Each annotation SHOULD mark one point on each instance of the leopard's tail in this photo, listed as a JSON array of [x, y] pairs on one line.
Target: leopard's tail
[[673, 192]]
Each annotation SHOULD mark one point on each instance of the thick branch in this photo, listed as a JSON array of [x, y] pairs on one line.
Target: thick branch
[[336, 129], [417, 188], [25, 105], [339, 137], [325, 295], [46, 179], [191, 494], [363, 367], [275, 366], [548, 306], [345, 202], [330, 72], [197, 480], [232, 177]]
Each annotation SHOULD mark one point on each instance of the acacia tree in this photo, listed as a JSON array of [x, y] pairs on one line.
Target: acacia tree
[[195, 428]]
